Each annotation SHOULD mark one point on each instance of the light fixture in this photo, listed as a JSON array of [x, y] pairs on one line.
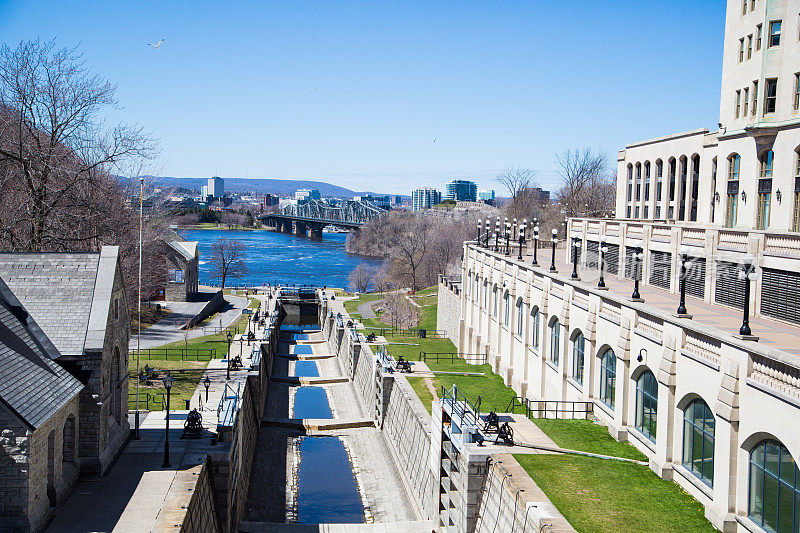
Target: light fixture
[[778, 195], [744, 196], [716, 196], [641, 357]]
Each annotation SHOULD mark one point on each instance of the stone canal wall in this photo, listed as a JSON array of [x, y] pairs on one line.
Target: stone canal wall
[[448, 312], [202, 515]]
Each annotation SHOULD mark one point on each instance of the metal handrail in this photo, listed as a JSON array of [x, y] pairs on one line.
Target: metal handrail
[[461, 406], [163, 354], [385, 359], [424, 356]]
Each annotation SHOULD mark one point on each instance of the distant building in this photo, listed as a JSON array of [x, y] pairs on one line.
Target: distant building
[[216, 187], [461, 190], [204, 193], [182, 259], [425, 198], [537, 192], [304, 195], [486, 197], [398, 200], [383, 201]]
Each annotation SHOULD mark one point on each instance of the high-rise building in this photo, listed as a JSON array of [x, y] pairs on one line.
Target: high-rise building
[[204, 193], [486, 196], [461, 190], [216, 187], [424, 198], [303, 195]]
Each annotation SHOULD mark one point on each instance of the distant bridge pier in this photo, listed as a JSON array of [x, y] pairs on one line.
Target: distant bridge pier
[[315, 230], [286, 227], [299, 228]]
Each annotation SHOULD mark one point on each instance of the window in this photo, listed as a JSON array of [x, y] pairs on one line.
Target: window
[[698, 441], [745, 101], [744, 7], [608, 377], [764, 190], [630, 181], [738, 103], [755, 97], [713, 187], [555, 336], [695, 187], [774, 493], [646, 183], [507, 309], [477, 294], [647, 404], [176, 276], [520, 318], [752, 5], [741, 49], [749, 46], [797, 91], [659, 186], [495, 297], [770, 95], [577, 357], [796, 223], [774, 33], [758, 37], [732, 202], [535, 328], [116, 308], [672, 164], [682, 191], [485, 295], [638, 181]]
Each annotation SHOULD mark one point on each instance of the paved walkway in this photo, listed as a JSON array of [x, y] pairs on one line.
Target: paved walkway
[[772, 333], [365, 309]]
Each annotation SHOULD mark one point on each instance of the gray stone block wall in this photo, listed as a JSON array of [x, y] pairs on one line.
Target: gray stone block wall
[[201, 514], [448, 312]]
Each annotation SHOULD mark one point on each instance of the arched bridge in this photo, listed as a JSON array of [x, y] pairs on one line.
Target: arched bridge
[[313, 215]]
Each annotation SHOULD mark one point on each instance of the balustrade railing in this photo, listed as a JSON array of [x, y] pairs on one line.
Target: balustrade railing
[[776, 374]]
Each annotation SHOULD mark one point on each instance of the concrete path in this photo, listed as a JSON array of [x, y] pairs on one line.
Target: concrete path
[[365, 309]]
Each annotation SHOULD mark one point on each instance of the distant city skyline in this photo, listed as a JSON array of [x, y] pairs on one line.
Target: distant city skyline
[[402, 95]]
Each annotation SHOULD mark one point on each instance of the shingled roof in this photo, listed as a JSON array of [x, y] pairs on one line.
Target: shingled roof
[[32, 385], [62, 291]]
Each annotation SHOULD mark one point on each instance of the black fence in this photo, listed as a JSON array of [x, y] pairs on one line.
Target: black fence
[[213, 330], [470, 358], [176, 354], [147, 401], [553, 409], [421, 333]]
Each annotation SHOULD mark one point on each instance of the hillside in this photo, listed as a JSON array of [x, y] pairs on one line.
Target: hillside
[[261, 186]]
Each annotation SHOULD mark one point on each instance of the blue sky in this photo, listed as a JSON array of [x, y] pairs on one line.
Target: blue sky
[[355, 93]]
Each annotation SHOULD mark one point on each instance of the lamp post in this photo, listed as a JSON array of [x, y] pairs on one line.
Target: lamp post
[[747, 274], [479, 231], [167, 380], [555, 241], [228, 357], [139, 316], [576, 244], [685, 266], [207, 384], [496, 233], [487, 226], [638, 255], [521, 239], [601, 284], [508, 235], [514, 234], [535, 243]]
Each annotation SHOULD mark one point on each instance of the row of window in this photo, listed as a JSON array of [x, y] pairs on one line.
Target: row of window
[[635, 182], [745, 3], [743, 98]]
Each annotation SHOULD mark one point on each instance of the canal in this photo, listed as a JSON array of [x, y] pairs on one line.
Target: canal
[[280, 258]]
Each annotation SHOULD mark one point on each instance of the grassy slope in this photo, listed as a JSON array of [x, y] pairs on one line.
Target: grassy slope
[[182, 389]]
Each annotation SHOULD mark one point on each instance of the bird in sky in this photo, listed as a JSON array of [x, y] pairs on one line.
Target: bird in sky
[[156, 45], [314, 91], [434, 140]]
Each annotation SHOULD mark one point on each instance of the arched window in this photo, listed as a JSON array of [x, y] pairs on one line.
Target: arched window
[[520, 317], [507, 309], [646, 189], [695, 187], [485, 294], [698, 441], [646, 404], [68, 440], [796, 218], [732, 193], [608, 377], [577, 357], [495, 297], [659, 187], [535, 328], [555, 336], [477, 294], [684, 169], [714, 192], [774, 495]]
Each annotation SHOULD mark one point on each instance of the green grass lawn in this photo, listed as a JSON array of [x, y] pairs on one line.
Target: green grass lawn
[[586, 436], [598, 495], [183, 388], [352, 305]]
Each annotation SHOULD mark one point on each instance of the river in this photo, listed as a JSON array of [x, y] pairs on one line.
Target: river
[[283, 258]]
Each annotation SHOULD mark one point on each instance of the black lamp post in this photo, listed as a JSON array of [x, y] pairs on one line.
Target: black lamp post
[[508, 235], [479, 230], [207, 384], [487, 226], [748, 274], [685, 266], [576, 243], [521, 239], [638, 255], [555, 241], [601, 284], [167, 380], [496, 234], [535, 243], [514, 234], [228, 358]]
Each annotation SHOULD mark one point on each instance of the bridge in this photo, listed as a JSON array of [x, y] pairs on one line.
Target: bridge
[[310, 217]]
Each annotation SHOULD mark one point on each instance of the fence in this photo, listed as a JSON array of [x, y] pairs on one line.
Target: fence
[[182, 354], [461, 409], [469, 358], [557, 408], [152, 402], [213, 330], [414, 332]]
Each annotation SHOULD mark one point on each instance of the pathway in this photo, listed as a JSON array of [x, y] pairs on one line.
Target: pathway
[[365, 309]]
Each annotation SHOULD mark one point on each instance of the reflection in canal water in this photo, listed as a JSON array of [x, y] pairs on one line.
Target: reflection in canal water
[[311, 402]]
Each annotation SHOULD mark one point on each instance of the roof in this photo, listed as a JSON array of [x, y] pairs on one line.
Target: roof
[[62, 291], [187, 249], [32, 385]]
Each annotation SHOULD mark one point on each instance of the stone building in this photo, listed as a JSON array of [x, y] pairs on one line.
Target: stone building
[[78, 301], [39, 416], [746, 175], [182, 260]]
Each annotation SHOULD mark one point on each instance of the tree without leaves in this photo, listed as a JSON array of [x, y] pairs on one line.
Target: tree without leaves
[[360, 277], [410, 238], [516, 180], [227, 260], [582, 172]]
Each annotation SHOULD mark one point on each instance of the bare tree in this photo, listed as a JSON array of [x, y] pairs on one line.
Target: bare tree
[[360, 277], [228, 260], [581, 172], [411, 238], [381, 278], [516, 180]]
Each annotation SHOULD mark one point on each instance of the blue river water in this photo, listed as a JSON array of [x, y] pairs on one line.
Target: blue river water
[[283, 258]]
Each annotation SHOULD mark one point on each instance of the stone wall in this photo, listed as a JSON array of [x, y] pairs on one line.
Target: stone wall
[[201, 514], [448, 312], [208, 310]]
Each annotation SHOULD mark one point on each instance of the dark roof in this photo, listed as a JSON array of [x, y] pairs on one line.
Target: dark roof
[[57, 289], [32, 385]]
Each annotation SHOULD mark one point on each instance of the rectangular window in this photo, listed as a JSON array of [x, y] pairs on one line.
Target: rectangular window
[[764, 194], [755, 97], [741, 49], [744, 7], [628, 212], [646, 211], [116, 308], [749, 46], [738, 103], [796, 223], [176, 276], [774, 33], [770, 95], [758, 37], [745, 101], [797, 91], [752, 5]]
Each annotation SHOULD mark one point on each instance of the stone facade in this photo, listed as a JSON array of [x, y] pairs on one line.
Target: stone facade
[[182, 260], [448, 312]]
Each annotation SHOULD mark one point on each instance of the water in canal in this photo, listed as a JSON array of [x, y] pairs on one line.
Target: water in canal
[[280, 258], [327, 491], [306, 369], [311, 402]]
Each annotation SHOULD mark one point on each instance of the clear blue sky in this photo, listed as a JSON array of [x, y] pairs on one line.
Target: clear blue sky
[[355, 93]]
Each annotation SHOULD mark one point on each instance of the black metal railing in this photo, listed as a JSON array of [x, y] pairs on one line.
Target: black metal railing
[[461, 407], [147, 401], [469, 358], [413, 332], [177, 354], [214, 330], [554, 409]]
